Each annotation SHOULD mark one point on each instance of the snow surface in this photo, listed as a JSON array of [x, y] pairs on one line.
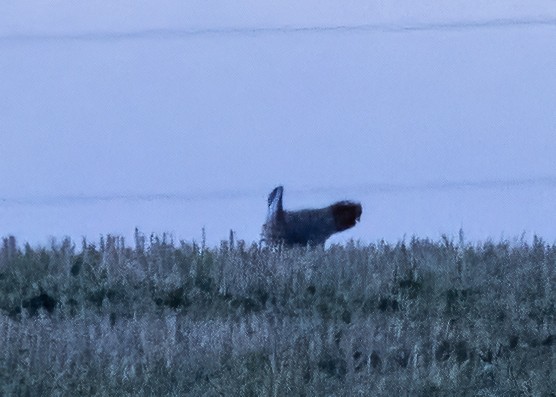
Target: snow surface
[[172, 116]]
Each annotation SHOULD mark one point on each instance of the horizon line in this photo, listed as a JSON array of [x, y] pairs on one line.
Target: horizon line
[[228, 194], [176, 33]]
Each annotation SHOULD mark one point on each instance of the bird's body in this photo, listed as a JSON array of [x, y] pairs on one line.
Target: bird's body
[[307, 227]]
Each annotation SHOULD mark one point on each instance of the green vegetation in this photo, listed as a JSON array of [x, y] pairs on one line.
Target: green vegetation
[[418, 318]]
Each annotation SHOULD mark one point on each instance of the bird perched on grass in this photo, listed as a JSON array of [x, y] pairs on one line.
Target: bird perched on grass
[[307, 227]]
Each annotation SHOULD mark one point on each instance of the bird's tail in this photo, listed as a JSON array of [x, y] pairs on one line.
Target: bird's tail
[[346, 214]]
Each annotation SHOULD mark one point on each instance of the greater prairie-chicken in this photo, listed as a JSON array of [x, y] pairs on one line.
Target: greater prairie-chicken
[[308, 226]]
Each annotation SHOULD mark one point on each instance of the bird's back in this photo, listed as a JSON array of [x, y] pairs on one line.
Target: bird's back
[[310, 226]]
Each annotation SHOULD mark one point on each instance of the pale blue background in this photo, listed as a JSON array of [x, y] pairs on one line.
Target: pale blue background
[[445, 127]]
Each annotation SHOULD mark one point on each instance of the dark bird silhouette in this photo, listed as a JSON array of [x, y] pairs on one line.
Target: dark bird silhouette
[[309, 226]]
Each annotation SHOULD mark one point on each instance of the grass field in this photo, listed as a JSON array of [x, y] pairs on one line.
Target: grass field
[[165, 318]]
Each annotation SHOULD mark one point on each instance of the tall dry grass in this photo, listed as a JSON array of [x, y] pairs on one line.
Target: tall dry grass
[[418, 318]]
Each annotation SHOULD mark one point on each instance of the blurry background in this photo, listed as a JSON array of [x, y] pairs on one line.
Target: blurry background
[[174, 117]]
